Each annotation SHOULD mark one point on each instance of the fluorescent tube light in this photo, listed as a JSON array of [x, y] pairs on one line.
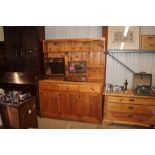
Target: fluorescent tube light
[[122, 45], [126, 31]]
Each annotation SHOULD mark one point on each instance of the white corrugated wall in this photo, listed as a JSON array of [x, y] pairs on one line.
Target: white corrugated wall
[[115, 73], [62, 32]]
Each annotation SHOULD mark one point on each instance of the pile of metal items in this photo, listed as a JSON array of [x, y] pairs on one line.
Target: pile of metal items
[[13, 97]]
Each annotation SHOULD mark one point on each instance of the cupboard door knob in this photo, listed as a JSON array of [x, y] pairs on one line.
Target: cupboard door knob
[[30, 111]]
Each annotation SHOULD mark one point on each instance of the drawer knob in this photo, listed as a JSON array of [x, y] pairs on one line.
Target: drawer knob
[[30, 111], [131, 100], [131, 107]]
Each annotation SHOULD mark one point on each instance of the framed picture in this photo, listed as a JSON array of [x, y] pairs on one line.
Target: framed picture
[[116, 37], [148, 42]]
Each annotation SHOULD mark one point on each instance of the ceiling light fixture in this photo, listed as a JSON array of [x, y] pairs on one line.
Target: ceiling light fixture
[[122, 45], [126, 31]]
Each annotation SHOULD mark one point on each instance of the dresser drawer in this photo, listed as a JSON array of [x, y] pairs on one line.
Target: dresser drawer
[[68, 87], [49, 86], [119, 99], [89, 88], [130, 118], [131, 108]]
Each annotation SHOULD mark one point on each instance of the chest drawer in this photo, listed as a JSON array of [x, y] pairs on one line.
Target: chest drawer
[[131, 108], [132, 118], [89, 88], [119, 99], [49, 86], [68, 87]]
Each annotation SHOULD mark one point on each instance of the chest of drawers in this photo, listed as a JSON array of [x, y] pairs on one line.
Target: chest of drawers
[[126, 108]]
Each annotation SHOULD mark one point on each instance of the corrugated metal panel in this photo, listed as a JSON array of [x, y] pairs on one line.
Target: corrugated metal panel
[[71, 32], [63, 32], [60, 32], [49, 32], [117, 74]]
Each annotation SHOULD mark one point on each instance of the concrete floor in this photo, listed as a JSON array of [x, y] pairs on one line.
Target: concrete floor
[[46, 123]]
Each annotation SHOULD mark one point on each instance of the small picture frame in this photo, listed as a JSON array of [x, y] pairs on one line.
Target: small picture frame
[[116, 37]]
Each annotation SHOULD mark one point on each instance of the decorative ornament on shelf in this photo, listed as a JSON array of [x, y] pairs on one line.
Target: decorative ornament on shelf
[[125, 86]]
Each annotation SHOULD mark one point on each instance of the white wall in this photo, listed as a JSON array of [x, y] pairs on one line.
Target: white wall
[[148, 30], [1, 33], [62, 32], [117, 74]]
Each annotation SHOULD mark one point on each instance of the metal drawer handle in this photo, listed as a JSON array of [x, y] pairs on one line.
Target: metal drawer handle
[[130, 116], [132, 100], [131, 107], [92, 89]]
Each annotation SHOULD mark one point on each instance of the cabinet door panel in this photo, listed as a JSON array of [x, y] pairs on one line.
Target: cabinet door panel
[[54, 102], [90, 106], [69, 104], [49, 103]]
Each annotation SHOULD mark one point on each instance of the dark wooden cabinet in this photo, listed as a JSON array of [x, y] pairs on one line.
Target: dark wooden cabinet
[[24, 48], [2, 59], [20, 116]]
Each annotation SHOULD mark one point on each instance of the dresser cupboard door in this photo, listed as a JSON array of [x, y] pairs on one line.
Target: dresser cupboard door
[[50, 105], [90, 105], [69, 104]]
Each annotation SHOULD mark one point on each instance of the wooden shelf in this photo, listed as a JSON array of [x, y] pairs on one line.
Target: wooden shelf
[[130, 51], [74, 40], [74, 45], [95, 66]]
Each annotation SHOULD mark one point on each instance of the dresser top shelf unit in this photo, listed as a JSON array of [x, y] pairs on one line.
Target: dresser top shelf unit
[[74, 45], [89, 50]]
